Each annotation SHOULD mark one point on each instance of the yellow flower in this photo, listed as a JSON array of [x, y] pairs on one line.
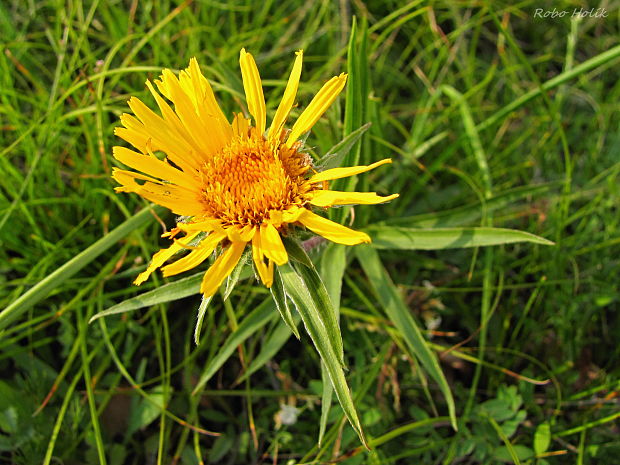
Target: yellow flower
[[232, 183]]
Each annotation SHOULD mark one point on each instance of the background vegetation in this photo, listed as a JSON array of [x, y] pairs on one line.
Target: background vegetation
[[533, 329]]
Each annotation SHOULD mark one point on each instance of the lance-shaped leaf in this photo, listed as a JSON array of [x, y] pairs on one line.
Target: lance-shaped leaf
[[318, 294], [239, 273], [296, 251], [332, 267], [334, 157], [300, 294], [279, 296], [166, 293], [202, 310], [390, 237]]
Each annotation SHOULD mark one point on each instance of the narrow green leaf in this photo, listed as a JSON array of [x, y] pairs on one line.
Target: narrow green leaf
[[252, 323], [335, 156], [296, 251], [326, 402], [279, 297], [399, 314], [332, 266], [300, 295], [239, 273], [391, 237], [353, 112], [323, 304], [202, 310], [55, 279], [355, 106], [166, 293]]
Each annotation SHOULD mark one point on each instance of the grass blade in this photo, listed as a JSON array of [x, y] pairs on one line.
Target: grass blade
[[355, 107], [399, 314], [253, 322], [272, 346], [55, 279], [471, 213], [473, 136]]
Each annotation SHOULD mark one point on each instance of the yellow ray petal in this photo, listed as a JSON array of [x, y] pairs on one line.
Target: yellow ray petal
[[207, 103], [137, 138], [186, 111], [272, 245], [240, 233], [168, 134], [333, 231], [287, 100], [240, 125], [336, 173], [253, 90], [158, 128], [319, 104], [181, 201], [134, 132], [154, 167], [160, 257], [170, 116], [197, 88], [292, 214], [148, 117], [196, 256], [131, 122], [180, 144], [222, 267], [325, 198], [128, 180], [203, 226], [265, 272]]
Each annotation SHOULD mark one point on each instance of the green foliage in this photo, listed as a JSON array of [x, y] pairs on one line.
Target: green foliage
[[504, 132]]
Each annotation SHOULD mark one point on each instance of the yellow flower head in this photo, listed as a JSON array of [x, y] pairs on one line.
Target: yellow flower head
[[232, 183]]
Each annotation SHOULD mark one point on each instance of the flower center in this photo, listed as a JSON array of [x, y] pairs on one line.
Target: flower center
[[249, 178]]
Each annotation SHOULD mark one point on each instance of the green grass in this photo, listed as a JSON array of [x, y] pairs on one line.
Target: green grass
[[494, 118]]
